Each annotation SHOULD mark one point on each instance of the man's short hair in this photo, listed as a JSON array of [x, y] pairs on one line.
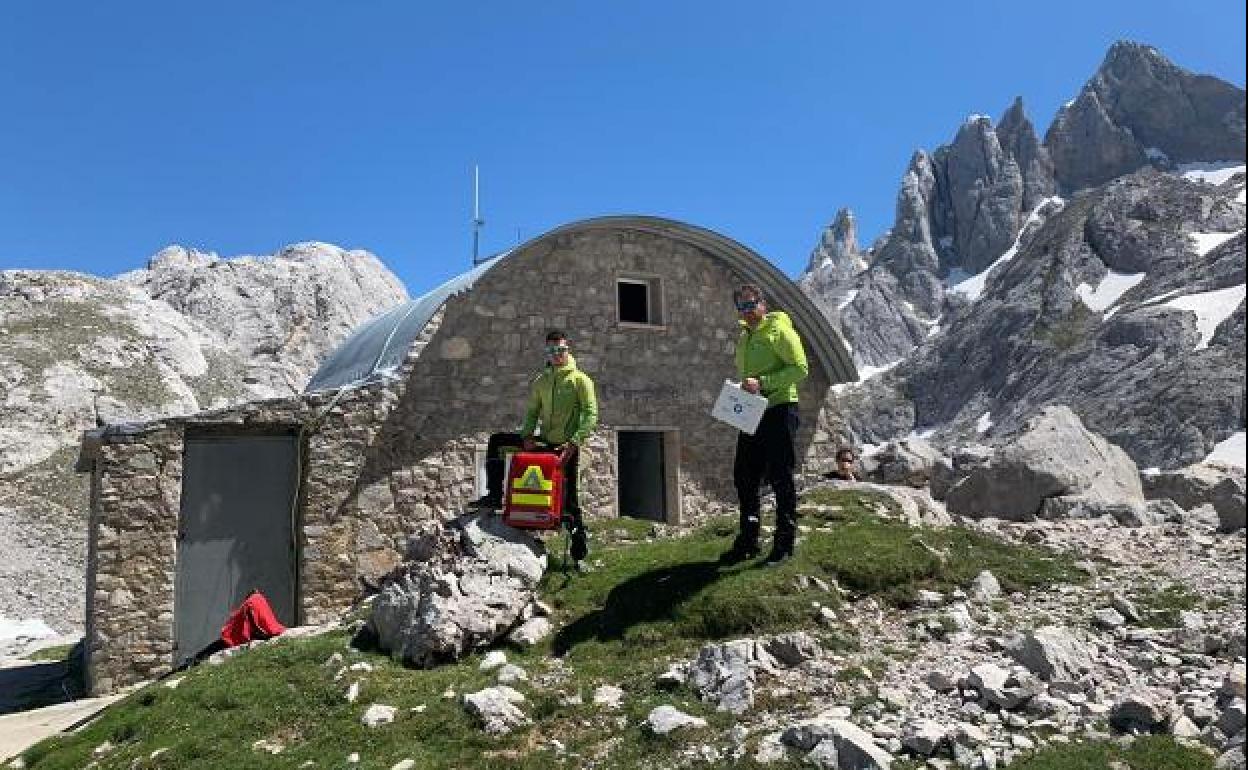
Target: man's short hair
[[842, 452], [554, 335], [750, 289]]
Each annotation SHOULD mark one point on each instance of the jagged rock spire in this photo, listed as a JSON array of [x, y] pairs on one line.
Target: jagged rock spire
[[1018, 140], [834, 266], [838, 244]]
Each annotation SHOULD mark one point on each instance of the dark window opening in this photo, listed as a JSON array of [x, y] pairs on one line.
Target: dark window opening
[[634, 297]]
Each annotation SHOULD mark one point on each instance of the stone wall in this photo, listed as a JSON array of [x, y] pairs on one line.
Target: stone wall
[[384, 460], [474, 377]]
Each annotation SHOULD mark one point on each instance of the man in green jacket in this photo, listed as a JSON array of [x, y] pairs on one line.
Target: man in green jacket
[[770, 361], [563, 403]]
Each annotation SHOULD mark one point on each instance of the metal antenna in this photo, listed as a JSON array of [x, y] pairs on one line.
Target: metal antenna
[[477, 221]]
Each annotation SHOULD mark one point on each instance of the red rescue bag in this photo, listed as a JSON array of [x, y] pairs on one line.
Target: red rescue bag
[[533, 495], [253, 620]]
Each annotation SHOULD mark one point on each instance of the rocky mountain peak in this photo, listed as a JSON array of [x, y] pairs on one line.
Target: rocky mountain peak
[[1127, 56], [1123, 300], [1140, 109], [281, 313], [311, 251], [958, 210], [917, 189], [176, 255]]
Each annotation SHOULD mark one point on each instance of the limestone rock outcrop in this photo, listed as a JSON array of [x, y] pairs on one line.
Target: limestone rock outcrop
[[1218, 485], [1125, 304], [1055, 457], [280, 314], [959, 208], [465, 585]]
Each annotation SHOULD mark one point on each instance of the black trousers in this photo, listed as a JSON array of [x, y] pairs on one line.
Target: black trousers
[[494, 467], [770, 453]]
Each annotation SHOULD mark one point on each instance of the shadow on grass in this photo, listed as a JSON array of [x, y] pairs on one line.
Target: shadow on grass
[[35, 685], [650, 597]]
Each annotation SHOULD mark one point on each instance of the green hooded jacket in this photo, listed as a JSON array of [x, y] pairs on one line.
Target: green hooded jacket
[[562, 399], [773, 353]]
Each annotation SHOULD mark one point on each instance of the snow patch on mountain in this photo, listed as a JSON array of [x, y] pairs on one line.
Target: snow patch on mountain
[[1211, 309], [1214, 173], [1207, 242], [1107, 292], [973, 287], [1231, 451]]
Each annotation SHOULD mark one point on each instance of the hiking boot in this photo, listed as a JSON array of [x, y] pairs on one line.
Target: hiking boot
[[739, 552], [580, 544]]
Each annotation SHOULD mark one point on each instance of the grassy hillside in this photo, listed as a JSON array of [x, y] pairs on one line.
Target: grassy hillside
[[649, 602]]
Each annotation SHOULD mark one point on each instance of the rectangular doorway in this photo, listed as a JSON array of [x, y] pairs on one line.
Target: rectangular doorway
[[647, 478], [236, 532]]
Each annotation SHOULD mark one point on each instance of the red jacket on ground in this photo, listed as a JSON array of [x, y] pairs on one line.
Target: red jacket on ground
[[254, 619]]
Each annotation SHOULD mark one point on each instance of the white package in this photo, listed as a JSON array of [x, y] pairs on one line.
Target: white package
[[739, 409]]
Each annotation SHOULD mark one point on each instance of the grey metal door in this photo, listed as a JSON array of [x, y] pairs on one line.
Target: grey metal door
[[641, 488], [235, 533]]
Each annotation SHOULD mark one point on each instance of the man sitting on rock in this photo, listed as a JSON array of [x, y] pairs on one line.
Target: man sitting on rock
[[563, 403]]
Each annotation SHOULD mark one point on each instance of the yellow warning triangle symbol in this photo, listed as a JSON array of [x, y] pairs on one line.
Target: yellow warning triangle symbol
[[532, 479]]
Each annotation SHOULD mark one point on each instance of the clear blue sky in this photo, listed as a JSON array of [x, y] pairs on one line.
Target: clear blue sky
[[241, 127]]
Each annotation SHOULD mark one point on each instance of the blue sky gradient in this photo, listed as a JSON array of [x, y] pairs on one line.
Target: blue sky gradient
[[130, 126]]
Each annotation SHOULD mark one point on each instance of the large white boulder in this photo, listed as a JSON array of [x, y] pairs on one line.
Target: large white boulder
[[467, 585], [905, 461], [726, 673], [497, 709], [1052, 653], [1055, 456], [1221, 486], [664, 719]]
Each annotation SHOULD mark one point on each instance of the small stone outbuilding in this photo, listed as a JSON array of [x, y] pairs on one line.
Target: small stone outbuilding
[[310, 498]]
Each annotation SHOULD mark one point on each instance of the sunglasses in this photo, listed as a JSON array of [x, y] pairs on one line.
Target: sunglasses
[[747, 305], [556, 350]]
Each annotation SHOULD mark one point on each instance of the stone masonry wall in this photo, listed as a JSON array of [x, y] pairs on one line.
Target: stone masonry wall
[[385, 460], [474, 376]]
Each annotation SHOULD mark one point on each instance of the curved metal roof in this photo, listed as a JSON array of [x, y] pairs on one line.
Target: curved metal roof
[[380, 345]]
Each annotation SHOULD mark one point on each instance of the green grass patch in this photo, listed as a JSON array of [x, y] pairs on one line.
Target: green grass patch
[[1147, 753], [624, 529], [1161, 607], [1072, 330], [649, 602], [57, 653], [875, 555]]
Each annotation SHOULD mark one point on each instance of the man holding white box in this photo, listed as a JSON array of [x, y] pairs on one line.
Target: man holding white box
[[771, 362]]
